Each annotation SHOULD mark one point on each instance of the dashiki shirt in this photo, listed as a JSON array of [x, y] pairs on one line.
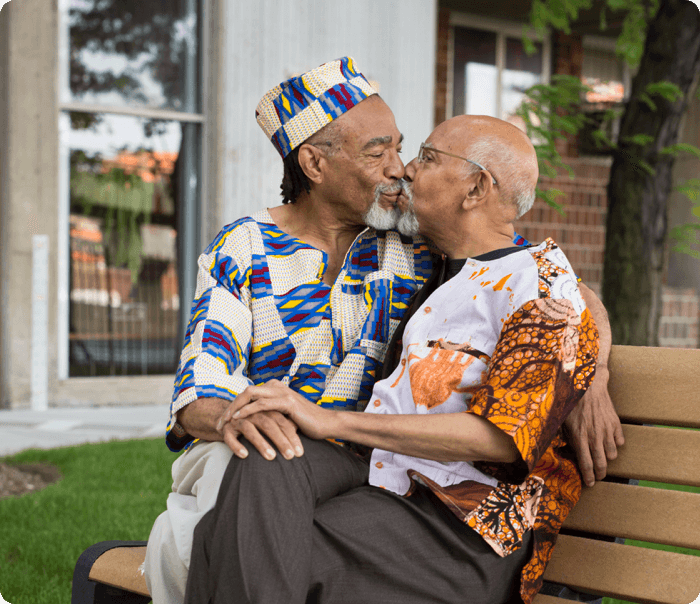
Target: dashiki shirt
[[510, 339], [261, 311]]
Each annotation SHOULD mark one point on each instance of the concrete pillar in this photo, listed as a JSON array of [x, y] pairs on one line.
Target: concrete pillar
[[28, 182]]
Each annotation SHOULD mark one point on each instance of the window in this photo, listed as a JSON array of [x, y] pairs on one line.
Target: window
[[491, 69], [130, 132], [610, 81], [604, 72]]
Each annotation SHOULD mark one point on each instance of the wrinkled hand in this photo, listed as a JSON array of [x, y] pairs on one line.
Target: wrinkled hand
[[278, 428], [595, 430], [313, 420]]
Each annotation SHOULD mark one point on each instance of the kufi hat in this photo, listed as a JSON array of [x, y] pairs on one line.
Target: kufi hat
[[299, 107]]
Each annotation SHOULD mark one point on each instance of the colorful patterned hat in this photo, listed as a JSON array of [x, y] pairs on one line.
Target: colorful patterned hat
[[299, 107]]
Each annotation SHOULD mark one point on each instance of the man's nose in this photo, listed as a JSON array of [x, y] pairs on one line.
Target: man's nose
[[395, 168], [410, 170]]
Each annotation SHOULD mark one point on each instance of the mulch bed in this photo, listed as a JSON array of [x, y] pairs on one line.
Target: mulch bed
[[26, 478]]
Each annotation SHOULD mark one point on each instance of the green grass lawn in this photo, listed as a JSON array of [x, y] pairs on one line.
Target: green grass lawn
[[109, 491]]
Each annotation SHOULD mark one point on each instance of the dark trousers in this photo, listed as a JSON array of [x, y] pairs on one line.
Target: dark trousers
[[312, 530]]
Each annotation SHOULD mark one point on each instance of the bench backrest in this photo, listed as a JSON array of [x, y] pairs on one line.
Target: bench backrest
[[655, 391]]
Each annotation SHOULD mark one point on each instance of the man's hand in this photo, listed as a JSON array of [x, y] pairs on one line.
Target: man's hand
[[595, 430], [314, 421], [278, 428], [203, 419]]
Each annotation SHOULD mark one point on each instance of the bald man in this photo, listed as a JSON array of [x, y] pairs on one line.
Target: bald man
[[467, 475]]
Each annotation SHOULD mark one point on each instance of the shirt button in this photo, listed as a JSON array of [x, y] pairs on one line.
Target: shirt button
[[377, 403], [427, 310], [379, 464]]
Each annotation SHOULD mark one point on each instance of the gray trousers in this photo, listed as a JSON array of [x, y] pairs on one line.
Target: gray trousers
[[312, 530]]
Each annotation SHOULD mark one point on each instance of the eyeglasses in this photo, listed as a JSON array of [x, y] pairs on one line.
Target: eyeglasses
[[421, 157]]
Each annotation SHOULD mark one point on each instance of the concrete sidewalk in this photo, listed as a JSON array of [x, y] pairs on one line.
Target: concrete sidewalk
[[25, 429]]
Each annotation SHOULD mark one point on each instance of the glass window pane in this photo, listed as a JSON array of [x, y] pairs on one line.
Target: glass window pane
[[602, 71], [123, 264], [521, 72], [475, 74], [134, 52]]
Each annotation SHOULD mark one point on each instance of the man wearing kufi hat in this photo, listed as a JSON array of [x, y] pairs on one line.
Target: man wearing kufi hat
[[303, 293]]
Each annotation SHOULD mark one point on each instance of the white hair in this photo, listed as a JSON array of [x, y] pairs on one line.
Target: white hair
[[514, 184], [408, 223], [376, 216]]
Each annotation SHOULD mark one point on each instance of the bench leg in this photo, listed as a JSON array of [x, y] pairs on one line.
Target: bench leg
[[86, 591]]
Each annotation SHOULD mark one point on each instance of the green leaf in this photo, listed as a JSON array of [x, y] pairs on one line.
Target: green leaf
[[696, 211], [667, 90], [646, 99], [601, 139], [528, 44], [687, 238], [637, 163], [549, 196], [679, 148], [639, 139]]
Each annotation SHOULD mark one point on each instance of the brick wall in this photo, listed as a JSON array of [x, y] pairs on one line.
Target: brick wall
[[679, 318], [581, 231]]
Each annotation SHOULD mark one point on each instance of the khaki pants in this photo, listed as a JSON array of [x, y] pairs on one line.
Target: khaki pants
[[197, 475]]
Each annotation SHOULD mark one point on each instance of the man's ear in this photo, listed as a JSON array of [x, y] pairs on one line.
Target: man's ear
[[478, 190], [310, 160]]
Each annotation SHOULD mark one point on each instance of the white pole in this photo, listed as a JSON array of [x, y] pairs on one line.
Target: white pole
[[40, 323]]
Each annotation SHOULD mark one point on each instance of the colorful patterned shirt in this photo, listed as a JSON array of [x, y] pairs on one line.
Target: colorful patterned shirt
[[261, 311], [508, 338]]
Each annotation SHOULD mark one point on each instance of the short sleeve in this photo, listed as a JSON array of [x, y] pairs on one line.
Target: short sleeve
[[541, 366]]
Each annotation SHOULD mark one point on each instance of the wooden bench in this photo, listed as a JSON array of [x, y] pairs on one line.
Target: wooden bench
[[651, 387]]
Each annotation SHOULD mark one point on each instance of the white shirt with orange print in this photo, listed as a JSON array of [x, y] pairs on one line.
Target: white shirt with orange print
[[448, 344]]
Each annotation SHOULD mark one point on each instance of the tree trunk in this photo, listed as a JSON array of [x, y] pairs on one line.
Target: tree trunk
[[637, 214]]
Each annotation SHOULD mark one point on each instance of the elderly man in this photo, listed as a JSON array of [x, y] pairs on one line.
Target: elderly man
[[470, 476], [303, 293]]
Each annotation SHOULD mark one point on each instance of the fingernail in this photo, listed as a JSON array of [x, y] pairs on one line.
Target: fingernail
[[243, 453], [270, 454], [219, 425], [299, 451], [289, 453], [236, 414]]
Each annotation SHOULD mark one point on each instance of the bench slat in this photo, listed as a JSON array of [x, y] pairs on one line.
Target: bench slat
[[642, 378], [658, 454], [624, 571], [633, 512], [542, 599], [118, 567]]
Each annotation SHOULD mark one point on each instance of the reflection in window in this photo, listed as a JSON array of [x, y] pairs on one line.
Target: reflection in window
[[521, 71], [491, 73], [134, 52], [475, 74], [123, 283], [603, 72]]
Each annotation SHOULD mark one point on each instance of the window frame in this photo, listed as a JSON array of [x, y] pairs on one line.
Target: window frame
[[502, 29], [189, 240]]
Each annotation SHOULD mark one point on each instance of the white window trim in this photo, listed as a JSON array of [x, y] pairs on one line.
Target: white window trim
[[502, 29], [64, 107]]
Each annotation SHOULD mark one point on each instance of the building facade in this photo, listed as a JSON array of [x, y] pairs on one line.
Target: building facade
[[128, 139]]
